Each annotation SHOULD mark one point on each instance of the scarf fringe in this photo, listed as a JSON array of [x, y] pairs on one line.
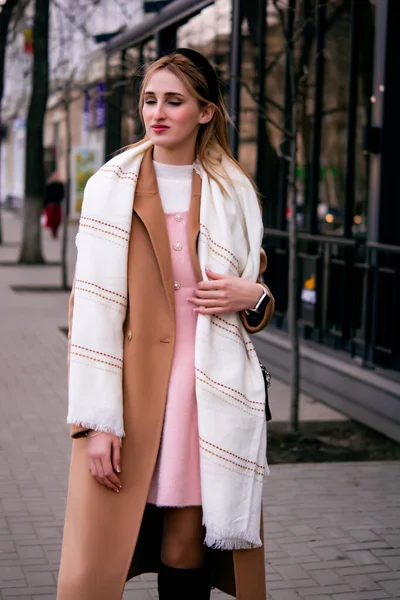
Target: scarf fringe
[[229, 540], [96, 427]]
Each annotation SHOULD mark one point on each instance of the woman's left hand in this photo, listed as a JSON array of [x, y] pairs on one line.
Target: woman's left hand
[[225, 294]]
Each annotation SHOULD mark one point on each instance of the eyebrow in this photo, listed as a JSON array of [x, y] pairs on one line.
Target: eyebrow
[[149, 93]]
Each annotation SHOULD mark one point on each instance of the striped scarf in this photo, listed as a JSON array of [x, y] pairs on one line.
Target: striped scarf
[[229, 383]]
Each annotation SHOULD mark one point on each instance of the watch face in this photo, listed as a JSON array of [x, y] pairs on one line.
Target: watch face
[[267, 299], [261, 300]]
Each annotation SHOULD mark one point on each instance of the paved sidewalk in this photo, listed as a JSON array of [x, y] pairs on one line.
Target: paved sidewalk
[[332, 531]]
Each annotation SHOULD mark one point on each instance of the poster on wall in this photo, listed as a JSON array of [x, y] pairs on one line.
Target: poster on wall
[[85, 162]]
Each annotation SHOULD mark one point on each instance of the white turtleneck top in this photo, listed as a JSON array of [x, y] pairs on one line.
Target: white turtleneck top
[[175, 186]]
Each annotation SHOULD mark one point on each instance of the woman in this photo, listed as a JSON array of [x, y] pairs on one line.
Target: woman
[[166, 396], [53, 197]]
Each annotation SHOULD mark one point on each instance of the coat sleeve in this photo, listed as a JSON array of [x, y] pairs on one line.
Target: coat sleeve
[[75, 430], [255, 322]]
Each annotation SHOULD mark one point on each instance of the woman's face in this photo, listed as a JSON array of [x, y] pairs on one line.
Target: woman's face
[[172, 116]]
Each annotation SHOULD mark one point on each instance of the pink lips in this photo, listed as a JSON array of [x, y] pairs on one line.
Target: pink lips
[[159, 128]]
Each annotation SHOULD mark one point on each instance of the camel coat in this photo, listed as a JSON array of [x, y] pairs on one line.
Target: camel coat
[[109, 537]]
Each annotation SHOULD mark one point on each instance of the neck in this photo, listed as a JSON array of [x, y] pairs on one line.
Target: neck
[[184, 155]]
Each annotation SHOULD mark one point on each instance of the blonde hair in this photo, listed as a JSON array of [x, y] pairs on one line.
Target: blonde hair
[[212, 139]]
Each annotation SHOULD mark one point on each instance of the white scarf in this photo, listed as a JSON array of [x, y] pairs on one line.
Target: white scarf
[[229, 383]]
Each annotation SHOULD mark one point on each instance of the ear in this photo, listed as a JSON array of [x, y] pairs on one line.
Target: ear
[[207, 114]]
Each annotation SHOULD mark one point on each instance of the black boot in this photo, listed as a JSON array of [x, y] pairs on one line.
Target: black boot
[[184, 584]]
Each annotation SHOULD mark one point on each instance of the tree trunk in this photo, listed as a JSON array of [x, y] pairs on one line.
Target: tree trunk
[[302, 86], [293, 274], [5, 17], [31, 250], [1, 191], [293, 286], [64, 245]]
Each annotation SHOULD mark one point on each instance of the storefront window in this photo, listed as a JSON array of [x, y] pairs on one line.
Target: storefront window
[[270, 108], [335, 122], [334, 126], [248, 104]]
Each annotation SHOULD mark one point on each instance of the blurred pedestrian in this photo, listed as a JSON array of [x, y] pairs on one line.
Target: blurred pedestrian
[[53, 197], [166, 394]]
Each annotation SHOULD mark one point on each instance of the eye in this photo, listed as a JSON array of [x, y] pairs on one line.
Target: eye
[[174, 103], [150, 102]]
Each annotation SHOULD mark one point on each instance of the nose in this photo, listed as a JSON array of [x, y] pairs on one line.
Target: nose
[[159, 114]]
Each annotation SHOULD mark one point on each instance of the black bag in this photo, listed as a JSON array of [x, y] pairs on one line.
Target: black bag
[[267, 383]]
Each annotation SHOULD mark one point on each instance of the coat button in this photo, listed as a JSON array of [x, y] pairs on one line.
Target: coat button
[[177, 285], [178, 217], [129, 335], [178, 246]]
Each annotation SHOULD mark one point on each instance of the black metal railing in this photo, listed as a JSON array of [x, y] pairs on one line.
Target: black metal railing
[[348, 293]]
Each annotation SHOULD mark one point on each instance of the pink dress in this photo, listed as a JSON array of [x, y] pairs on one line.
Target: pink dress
[[176, 479]]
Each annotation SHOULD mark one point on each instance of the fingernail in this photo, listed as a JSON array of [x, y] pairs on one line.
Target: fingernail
[[118, 470]]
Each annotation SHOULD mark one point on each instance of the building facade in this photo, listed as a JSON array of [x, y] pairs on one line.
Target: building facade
[[77, 72], [336, 61]]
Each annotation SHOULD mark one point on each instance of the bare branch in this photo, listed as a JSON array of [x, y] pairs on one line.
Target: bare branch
[[331, 111], [18, 15], [71, 18], [122, 6], [336, 14], [261, 109], [295, 37]]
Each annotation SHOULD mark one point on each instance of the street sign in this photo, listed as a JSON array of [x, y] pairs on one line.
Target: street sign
[[151, 6]]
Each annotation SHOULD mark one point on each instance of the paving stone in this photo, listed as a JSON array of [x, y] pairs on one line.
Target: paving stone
[[363, 557], [362, 570], [389, 575], [386, 552], [301, 529], [325, 577], [392, 587], [291, 572], [328, 552], [10, 584], [297, 549], [364, 535], [318, 597], [10, 573], [292, 560], [285, 595], [393, 562], [328, 564], [361, 596], [361, 583], [289, 584], [39, 579], [325, 590]]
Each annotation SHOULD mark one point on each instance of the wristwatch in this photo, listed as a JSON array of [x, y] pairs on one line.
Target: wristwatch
[[260, 301]]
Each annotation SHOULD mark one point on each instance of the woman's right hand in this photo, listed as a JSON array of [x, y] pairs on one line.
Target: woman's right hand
[[104, 453]]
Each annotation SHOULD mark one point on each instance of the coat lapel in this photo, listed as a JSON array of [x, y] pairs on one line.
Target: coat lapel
[[147, 205], [194, 224]]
